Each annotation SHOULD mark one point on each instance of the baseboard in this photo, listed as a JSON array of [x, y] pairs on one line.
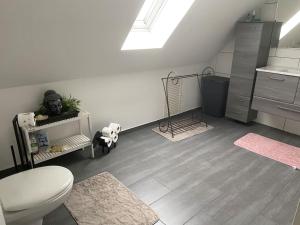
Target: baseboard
[[12, 170], [157, 121]]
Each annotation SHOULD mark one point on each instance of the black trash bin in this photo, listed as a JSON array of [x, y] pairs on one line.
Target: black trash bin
[[214, 95]]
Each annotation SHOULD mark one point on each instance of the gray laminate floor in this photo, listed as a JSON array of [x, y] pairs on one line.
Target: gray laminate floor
[[204, 180]]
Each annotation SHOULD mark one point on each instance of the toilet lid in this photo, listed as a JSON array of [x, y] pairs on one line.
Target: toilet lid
[[34, 187]]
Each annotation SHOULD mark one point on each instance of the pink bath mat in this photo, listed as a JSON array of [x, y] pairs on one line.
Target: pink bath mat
[[278, 151]]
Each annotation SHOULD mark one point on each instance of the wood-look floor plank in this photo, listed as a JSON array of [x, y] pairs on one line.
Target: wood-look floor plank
[[204, 180]]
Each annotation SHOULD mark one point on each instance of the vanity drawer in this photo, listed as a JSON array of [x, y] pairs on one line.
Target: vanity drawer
[[238, 107], [276, 86], [238, 101], [237, 114], [276, 108], [244, 64], [241, 86]]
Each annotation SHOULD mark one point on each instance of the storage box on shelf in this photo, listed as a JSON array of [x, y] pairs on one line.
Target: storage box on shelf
[[70, 144]]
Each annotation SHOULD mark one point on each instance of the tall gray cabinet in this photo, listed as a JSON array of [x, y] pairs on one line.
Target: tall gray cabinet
[[252, 46]]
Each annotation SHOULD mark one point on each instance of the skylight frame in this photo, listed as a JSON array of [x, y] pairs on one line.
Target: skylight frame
[[166, 20], [147, 17]]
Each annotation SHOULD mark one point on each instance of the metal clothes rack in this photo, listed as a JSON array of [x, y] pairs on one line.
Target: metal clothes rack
[[175, 123]]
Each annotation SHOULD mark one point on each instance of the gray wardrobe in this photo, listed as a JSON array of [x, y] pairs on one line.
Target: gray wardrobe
[[252, 46]]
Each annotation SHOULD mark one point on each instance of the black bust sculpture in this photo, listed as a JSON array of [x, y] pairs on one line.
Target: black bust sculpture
[[53, 103]]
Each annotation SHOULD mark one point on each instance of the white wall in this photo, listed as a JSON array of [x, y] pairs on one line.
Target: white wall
[[130, 99], [48, 41]]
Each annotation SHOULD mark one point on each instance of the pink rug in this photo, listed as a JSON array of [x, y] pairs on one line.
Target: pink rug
[[279, 151]]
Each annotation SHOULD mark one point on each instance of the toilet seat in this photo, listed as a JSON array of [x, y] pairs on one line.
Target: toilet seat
[[24, 216], [34, 187]]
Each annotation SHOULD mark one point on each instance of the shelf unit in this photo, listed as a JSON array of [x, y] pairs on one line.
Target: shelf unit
[[71, 143]]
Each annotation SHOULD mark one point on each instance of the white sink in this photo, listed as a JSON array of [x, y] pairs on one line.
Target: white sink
[[281, 70]]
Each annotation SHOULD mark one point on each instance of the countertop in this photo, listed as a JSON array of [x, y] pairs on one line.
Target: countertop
[[280, 70]]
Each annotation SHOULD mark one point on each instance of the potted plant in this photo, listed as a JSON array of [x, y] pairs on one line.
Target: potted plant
[[70, 104], [55, 108]]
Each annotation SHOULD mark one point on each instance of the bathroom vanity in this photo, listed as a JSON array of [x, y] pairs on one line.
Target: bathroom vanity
[[252, 47], [277, 91]]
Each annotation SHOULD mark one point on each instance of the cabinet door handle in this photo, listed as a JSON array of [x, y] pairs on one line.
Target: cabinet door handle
[[277, 78], [288, 109]]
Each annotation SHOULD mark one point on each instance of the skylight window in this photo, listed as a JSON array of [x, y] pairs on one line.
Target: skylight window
[[155, 23], [148, 14], [290, 25]]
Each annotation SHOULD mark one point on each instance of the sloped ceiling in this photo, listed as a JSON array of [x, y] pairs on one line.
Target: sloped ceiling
[[51, 40]]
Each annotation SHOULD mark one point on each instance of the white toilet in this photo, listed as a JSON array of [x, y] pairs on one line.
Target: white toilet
[[28, 196]]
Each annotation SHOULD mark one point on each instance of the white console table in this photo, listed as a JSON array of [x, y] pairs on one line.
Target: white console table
[[71, 143]]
